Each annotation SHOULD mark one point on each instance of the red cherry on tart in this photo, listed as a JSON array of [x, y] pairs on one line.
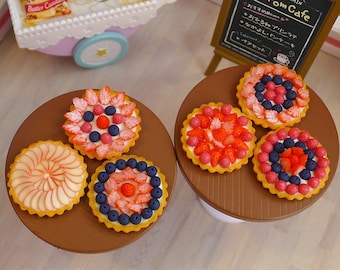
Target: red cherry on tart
[[291, 163], [218, 137]]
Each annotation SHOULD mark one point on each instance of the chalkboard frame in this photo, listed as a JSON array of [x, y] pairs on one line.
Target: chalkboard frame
[[305, 63]]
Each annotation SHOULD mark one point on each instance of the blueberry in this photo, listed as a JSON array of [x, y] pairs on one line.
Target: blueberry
[[311, 165], [103, 177], [277, 79], [301, 145], [110, 167], [276, 167], [259, 96], [155, 181], [277, 107], [113, 130], [154, 204], [266, 78], [291, 95], [287, 104], [113, 215], [284, 176], [132, 163], [100, 198], [110, 110], [267, 104], [88, 116], [294, 179], [124, 219], [288, 85], [288, 142], [156, 192], [135, 218], [141, 166], [121, 164], [259, 87], [310, 153], [274, 156], [94, 136], [305, 174], [151, 171], [279, 147], [147, 213], [104, 208], [99, 187]]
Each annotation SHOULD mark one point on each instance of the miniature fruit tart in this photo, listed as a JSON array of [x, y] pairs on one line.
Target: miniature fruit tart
[[47, 178], [273, 96], [127, 193], [102, 124], [291, 163], [218, 137]]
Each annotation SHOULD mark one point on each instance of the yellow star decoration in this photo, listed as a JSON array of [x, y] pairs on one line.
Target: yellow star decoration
[[101, 52]]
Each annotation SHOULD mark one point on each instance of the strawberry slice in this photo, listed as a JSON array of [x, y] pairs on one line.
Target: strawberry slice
[[229, 152], [219, 134], [232, 117], [239, 144], [230, 139], [197, 132], [215, 157], [285, 163], [201, 148], [218, 114], [238, 130], [286, 153], [204, 120], [228, 126]]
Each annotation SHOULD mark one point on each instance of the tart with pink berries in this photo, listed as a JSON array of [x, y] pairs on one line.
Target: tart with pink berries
[[273, 96], [47, 178], [127, 193], [103, 123], [291, 163], [218, 137]]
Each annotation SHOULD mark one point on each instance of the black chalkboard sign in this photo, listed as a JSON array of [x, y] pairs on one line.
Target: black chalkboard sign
[[288, 32]]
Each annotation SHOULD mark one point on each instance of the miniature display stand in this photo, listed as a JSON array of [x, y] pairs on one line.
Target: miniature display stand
[[95, 33]]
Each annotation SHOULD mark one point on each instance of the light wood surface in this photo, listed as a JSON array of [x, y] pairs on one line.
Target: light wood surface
[[167, 58]]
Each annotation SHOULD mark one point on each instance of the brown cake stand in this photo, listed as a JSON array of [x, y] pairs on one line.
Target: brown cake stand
[[239, 194], [79, 230]]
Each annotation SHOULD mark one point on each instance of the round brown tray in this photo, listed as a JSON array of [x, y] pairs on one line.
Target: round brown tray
[[239, 194], [79, 230]]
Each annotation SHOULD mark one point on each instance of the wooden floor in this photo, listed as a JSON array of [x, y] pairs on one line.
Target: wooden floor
[[167, 57]]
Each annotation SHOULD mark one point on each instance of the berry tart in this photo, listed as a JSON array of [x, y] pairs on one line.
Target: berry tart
[[102, 124], [291, 163], [273, 96], [47, 178], [127, 193], [218, 137]]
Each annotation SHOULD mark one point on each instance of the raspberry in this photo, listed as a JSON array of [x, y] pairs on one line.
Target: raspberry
[[98, 109]]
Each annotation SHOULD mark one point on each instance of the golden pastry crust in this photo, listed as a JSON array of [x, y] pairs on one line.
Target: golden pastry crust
[[104, 134], [293, 162], [47, 178], [224, 144], [286, 114], [128, 191]]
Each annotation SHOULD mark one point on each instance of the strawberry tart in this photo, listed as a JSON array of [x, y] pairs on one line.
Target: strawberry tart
[[103, 123], [127, 193], [291, 163], [218, 137], [47, 178], [273, 96]]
